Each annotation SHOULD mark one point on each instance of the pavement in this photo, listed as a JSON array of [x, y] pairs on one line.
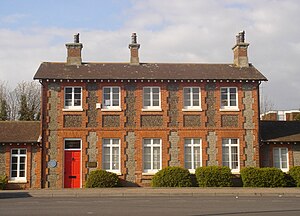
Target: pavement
[[148, 192]]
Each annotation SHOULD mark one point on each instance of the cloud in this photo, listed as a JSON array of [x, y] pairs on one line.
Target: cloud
[[13, 18], [200, 31]]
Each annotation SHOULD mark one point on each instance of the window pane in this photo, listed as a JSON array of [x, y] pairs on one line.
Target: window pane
[[22, 151], [155, 90], [68, 90], [106, 158], [156, 141], [14, 166], [115, 158], [14, 174], [22, 174], [77, 90], [147, 141], [156, 157], [22, 159], [188, 157], [22, 166], [14, 151], [147, 158], [225, 156], [72, 144], [197, 158], [14, 159]]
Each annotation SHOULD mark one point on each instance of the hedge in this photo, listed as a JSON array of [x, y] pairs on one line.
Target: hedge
[[101, 179], [3, 181], [172, 177], [214, 176], [262, 177], [294, 173]]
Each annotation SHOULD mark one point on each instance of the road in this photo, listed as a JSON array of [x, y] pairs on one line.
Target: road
[[144, 206]]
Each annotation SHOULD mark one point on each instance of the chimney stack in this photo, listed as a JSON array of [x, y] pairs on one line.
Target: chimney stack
[[240, 51], [74, 51], [134, 50]]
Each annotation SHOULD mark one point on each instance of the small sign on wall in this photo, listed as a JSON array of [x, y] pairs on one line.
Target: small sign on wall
[[52, 164], [91, 165]]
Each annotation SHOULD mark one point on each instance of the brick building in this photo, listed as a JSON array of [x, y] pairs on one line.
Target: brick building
[[281, 115], [21, 154], [136, 118]]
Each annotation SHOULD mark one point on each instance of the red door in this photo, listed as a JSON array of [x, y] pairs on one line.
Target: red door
[[72, 169]]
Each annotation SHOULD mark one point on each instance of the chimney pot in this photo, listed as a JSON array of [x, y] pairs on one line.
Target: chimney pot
[[240, 51], [76, 38]]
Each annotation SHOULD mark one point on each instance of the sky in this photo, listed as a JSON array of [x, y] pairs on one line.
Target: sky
[[182, 31]]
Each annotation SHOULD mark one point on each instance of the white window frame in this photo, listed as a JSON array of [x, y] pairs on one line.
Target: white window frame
[[18, 156], [280, 159], [151, 107], [191, 106], [152, 145], [73, 107], [192, 145], [110, 106], [111, 145], [229, 107], [230, 145]]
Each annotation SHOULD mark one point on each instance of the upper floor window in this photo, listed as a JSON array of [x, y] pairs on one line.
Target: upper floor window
[[18, 165], [191, 98], [111, 155], [229, 98], [111, 98], [151, 155], [230, 154], [151, 98], [280, 158], [192, 153], [73, 98]]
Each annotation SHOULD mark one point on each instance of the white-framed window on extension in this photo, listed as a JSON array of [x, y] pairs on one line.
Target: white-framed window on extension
[[18, 165], [111, 155], [151, 98], [229, 98], [192, 98], [111, 98], [280, 158], [73, 98], [192, 153], [230, 154], [152, 157]]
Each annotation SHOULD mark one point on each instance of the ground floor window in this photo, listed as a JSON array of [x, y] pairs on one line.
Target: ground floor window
[[151, 155], [111, 155], [280, 158], [230, 154], [192, 153], [18, 165]]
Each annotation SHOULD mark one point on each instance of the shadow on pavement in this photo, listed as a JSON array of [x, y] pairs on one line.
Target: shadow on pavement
[[8, 195]]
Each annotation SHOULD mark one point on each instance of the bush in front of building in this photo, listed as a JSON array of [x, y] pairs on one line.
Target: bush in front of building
[[214, 176], [294, 173], [263, 177], [102, 179], [172, 177], [3, 181]]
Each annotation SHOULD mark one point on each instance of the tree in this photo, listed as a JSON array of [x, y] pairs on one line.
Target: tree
[[3, 110], [297, 117], [25, 113]]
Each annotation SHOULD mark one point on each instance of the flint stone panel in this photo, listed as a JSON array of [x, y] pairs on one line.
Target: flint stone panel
[[211, 105], [191, 121], [92, 150], [174, 151], [173, 104], [53, 100], [33, 166], [72, 121], [249, 150], [212, 149], [130, 152], [2, 160], [296, 154], [130, 111], [231, 121], [151, 121], [92, 99], [110, 121]]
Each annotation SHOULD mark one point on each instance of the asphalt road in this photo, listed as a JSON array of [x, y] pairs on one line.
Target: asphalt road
[[144, 206]]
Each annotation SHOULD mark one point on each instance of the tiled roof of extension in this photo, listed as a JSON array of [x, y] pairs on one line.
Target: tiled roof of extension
[[48, 70], [19, 131], [280, 131]]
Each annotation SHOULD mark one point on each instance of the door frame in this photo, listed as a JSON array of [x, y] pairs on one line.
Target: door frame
[[72, 149]]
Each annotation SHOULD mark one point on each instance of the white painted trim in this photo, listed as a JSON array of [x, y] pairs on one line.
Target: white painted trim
[[151, 107], [192, 108], [117, 171], [110, 107], [151, 145], [72, 107]]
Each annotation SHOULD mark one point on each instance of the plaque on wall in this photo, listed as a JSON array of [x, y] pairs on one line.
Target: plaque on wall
[[92, 164], [52, 163]]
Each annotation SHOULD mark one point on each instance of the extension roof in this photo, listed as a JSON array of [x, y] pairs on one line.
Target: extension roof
[[280, 131], [19, 131], [48, 70]]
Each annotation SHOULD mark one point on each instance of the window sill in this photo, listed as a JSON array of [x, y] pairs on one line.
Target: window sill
[[72, 110], [111, 109], [149, 173], [235, 171], [152, 110], [17, 181], [229, 109], [192, 110]]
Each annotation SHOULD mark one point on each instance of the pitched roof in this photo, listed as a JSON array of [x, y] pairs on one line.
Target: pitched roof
[[49, 70], [280, 131], [19, 131]]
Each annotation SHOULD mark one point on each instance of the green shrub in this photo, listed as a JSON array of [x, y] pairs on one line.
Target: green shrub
[[263, 177], [3, 181], [172, 177], [101, 179], [294, 172], [213, 176]]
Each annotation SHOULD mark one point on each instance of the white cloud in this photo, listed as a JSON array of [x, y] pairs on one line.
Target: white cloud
[[177, 31]]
